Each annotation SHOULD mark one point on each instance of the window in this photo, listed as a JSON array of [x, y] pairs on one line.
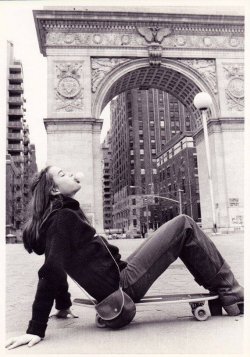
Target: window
[[134, 222], [199, 209], [197, 184], [183, 185], [134, 212], [195, 162], [133, 201]]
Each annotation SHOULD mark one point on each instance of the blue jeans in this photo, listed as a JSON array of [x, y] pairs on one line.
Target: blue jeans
[[181, 237]]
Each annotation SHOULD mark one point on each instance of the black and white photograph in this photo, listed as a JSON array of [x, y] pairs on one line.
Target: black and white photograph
[[124, 182]]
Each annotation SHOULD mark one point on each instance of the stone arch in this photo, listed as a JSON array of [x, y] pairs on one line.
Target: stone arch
[[172, 76], [177, 51]]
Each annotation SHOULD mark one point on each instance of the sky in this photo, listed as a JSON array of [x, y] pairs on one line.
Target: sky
[[17, 25]]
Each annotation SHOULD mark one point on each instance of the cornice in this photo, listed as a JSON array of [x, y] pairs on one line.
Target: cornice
[[138, 17], [222, 124], [71, 121], [85, 22], [107, 26]]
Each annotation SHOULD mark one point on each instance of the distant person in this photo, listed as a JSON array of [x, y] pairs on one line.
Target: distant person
[[59, 229]]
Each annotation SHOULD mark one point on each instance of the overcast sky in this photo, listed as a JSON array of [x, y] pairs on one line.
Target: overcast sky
[[17, 25]]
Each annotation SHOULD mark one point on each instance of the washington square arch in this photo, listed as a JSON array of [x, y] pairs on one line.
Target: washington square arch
[[94, 55]]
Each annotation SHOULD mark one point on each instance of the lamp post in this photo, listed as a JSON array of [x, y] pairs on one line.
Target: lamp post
[[203, 101], [180, 200]]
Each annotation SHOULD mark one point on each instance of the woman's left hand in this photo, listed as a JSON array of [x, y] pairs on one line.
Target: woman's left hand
[[64, 314]]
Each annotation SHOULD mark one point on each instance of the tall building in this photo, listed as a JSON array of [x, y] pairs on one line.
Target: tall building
[[18, 155], [143, 122], [107, 184], [177, 179]]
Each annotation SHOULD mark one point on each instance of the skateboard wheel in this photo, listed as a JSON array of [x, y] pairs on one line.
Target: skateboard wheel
[[200, 314], [99, 322]]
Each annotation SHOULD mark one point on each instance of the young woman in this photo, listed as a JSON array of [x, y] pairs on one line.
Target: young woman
[[59, 229]]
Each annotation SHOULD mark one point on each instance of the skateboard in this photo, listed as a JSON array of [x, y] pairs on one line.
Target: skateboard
[[196, 302]]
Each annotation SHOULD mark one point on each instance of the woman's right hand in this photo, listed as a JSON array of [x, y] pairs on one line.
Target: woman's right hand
[[29, 339]]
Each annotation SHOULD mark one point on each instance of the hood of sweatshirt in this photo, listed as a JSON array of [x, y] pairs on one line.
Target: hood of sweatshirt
[[39, 244]]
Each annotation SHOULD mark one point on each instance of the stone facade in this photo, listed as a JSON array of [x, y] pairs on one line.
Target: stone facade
[[95, 55]]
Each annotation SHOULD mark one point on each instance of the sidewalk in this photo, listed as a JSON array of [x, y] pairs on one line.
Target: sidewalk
[[166, 329]]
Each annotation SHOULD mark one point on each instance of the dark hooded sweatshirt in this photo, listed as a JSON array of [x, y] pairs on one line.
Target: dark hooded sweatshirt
[[71, 247]]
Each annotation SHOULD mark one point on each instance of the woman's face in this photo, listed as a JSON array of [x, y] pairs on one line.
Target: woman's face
[[65, 182]]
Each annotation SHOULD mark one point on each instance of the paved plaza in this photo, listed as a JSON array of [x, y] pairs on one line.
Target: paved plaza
[[165, 329]]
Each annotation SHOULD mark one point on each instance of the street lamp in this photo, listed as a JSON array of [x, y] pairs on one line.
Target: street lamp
[[203, 101]]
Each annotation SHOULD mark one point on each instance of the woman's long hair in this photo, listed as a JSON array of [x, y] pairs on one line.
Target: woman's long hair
[[40, 207]]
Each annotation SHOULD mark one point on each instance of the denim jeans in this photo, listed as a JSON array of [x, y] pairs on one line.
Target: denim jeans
[[181, 237]]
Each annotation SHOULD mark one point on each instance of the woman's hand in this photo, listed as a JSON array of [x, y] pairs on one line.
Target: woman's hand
[[29, 339], [64, 314]]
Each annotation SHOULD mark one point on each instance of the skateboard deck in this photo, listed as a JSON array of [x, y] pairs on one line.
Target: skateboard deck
[[196, 302]]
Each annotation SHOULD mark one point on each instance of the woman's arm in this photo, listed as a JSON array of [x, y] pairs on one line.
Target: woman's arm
[[51, 277], [63, 301], [52, 284]]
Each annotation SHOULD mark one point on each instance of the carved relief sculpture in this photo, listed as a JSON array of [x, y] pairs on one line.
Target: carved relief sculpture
[[154, 36], [68, 90], [102, 66], [206, 68], [235, 86], [132, 36]]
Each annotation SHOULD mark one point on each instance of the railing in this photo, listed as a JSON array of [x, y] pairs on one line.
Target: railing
[[16, 87], [16, 112], [16, 65], [16, 76], [16, 100], [15, 124], [15, 147], [14, 136]]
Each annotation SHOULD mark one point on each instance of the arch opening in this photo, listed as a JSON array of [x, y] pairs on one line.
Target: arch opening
[[163, 78]]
